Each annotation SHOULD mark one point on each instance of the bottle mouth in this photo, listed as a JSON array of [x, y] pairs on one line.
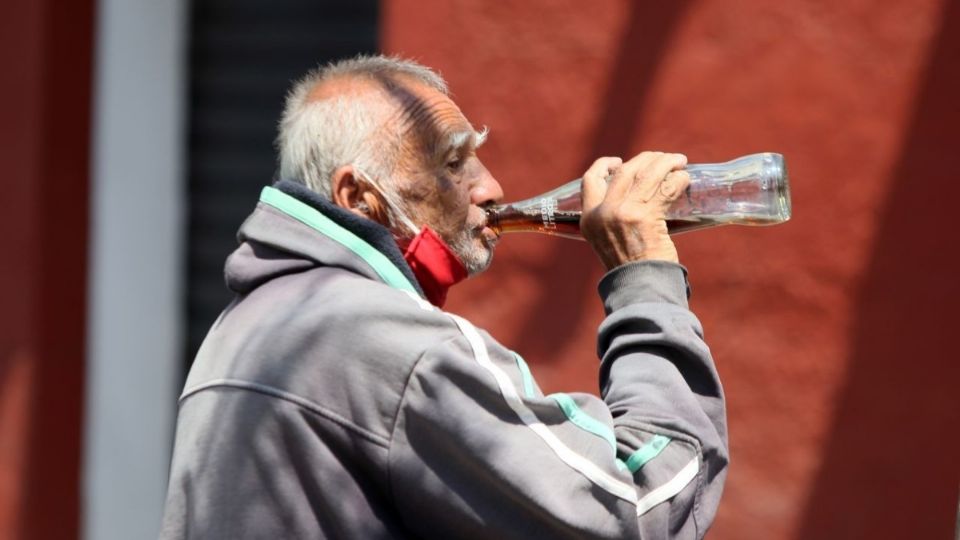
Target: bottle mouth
[[777, 171]]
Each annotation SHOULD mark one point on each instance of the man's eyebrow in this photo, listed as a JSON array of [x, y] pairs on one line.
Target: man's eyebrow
[[465, 139], [480, 137]]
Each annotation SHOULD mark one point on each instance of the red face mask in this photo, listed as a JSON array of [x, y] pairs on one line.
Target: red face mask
[[435, 265]]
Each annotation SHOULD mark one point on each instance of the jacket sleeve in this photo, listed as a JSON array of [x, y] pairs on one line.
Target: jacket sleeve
[[479, 452]]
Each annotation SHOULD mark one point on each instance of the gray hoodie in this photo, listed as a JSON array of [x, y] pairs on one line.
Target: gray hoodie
[[330, 400]]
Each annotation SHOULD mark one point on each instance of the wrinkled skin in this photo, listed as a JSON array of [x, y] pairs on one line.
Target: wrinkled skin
[[445, 186]]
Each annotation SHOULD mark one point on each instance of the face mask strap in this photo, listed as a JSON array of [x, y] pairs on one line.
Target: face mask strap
[[393, 206]]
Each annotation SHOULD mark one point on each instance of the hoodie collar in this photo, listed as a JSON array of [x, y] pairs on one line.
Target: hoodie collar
[[369, 240], [428, 266], [428, 263]]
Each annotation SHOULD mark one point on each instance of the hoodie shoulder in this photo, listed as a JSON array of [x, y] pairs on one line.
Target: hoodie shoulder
[[327, 336]]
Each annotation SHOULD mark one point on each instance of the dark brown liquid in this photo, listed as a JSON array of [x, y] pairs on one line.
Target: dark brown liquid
[[565, 223]]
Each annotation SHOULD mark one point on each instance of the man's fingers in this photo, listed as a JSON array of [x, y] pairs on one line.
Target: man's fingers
[[625, 179], [595, 180], [658, 169], [648, 181], [644, 178], [674, 184]]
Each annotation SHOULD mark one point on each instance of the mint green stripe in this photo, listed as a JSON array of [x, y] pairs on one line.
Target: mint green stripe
[[314, 219], [583, 420], [527, 377], [647, 452]]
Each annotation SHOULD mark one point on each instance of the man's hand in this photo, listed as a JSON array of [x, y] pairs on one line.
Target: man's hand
[[624, 220]]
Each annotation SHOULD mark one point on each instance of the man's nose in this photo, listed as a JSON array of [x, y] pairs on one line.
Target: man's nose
[[486, 190]]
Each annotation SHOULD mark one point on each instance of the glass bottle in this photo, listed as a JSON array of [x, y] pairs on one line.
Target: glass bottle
[[749, 190]]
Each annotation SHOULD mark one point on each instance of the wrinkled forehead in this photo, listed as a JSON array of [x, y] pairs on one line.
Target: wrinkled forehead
[[421, 122], [428, 119]]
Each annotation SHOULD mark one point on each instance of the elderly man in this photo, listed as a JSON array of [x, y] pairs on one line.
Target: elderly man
[[333, 398]]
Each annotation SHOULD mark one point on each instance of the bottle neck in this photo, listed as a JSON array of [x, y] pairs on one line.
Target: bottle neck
[[542, 218]]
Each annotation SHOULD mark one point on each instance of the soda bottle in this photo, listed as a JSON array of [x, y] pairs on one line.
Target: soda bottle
[[749, 190]]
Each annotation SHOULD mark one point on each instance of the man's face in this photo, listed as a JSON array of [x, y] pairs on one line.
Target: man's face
[[445, 186]]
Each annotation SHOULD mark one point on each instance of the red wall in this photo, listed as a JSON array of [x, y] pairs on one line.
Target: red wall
[[44, 145], [832, 332]]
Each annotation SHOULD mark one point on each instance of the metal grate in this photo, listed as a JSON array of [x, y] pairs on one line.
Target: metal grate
[[243, 56]]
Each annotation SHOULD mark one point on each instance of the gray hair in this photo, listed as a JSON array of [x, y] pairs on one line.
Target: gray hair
[[316, 136]]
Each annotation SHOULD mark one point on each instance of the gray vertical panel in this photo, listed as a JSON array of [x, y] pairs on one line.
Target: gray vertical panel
[[135, 309], [244, 55]]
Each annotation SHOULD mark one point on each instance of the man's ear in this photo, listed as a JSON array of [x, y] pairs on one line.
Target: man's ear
[[351, 193]]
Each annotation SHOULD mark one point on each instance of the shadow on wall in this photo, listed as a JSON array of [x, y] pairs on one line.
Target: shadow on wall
[[890, 467], [647, 34]]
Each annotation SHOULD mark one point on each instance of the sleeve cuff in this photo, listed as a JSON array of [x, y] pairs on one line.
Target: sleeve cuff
[[644, 281]]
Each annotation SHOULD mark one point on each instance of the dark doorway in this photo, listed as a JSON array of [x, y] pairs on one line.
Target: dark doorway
[[243, 56]]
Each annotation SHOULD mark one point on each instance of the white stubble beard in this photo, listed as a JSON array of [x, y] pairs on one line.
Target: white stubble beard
[[475, 251], [471, 247]]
